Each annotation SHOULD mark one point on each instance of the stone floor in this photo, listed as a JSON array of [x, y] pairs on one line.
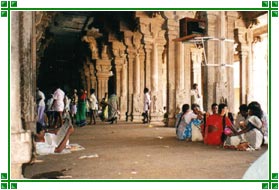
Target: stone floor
[[140, 151]]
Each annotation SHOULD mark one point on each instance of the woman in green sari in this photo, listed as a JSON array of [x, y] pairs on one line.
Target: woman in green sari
[[81, 109]]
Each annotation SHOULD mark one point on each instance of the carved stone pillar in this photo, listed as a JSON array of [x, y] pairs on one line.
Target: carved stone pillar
[[148, 62], [134, 50], [220, 53], [137, 67], [103, 67], [243, 74], [212, 58], [177, 54], [93, 79], [82, 77], [244, 58], [86, 72], [123, 94], [90, 38], [121, 75], [161, 78], [196, 56], [154, 41], [42, 19], [231, 17], [22, 94], [260, 66], [250, 85], [130, 83], [180, 66], [103, 74], [172, 33], [221, 84]]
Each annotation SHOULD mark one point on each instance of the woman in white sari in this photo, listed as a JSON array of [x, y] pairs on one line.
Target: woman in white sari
[[252, 127]]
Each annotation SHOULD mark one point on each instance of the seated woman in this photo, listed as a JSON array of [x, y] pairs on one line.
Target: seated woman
[[55, 141], [233, 140], [196, 124], [183, 126], [252, 127], [214, 126]]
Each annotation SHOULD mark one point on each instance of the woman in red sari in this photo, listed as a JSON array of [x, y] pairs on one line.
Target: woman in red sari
[[215, 124]]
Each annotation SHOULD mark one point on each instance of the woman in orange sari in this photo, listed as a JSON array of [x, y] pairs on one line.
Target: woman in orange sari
[[215, 124]]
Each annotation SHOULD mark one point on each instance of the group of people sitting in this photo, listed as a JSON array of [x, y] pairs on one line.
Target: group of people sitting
[[247, 131]]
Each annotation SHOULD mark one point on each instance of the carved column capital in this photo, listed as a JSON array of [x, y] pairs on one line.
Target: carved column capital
[[92, 45], [103, 67]]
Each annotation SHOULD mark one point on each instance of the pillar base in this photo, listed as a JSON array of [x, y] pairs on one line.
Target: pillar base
[[21, 152]]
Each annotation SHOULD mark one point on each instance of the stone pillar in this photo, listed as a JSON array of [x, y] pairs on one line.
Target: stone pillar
[[103, 83], [243, 74], [130, 84], [219, 53], [93, 80], [172, 33], [21, 54], [90, 39], [103, 67], [129, 74], [260, 66], [137, 67], [180, 66], [188, 73], [42, 21], [231, 16], [221, 84], [196, 56], [86, 72], [121, 75], [250, 85], [163, 81], [134, 49], [123, 96], [244, 58], [148, 63], [154, 42], [154, 69], [161, 42]]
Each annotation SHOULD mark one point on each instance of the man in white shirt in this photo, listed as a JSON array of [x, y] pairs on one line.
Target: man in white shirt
[[146, 105], [58, 106], [196, 97], [93, 106]]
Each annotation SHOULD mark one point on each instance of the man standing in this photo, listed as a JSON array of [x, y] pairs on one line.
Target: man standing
[[196, 97], [58, 105], [93, 106], [146, 105]]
